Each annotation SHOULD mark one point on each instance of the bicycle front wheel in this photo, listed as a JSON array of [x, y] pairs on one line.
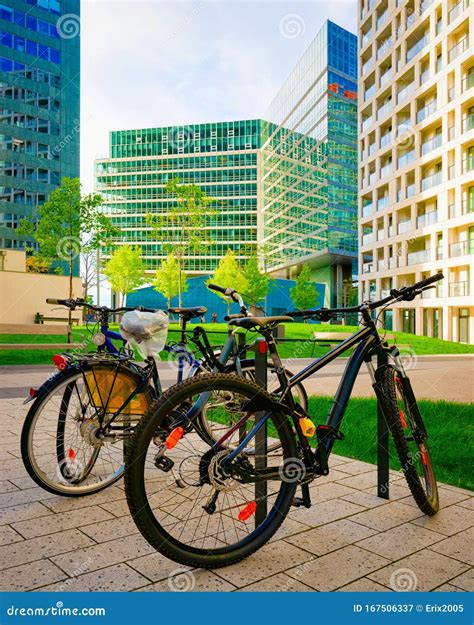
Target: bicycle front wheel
[[188, 504]]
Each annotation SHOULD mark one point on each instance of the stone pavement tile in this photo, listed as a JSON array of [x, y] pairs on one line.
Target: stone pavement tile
[[467, 503], [23, 482], [339, 460], [385, 517], [25, 511], [110, 529], [457, 489], [66, 504], [449, 521], [331, 536], [333, 475], [104, 554], [396, 491], [155, 566], [61, 521], [289, 527], [400, 541], [460, 546], [30, 576], [42, 547], [23, 496], [325, 492], [355, 467], [118, 578], [118, 508], [338, 568], [7, 487], [196, 580], [325, 512], [365, 499], [446, 498], [447, 588], [364, 585], [8, 535], [272, 558], [277, 583], [423, 571], [361, 481], [464, 581]]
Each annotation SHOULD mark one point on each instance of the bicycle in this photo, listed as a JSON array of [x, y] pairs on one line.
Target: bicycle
[[231, 502]]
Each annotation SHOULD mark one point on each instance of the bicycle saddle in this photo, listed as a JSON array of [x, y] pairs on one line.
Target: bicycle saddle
[[259, 322], [188, 313]]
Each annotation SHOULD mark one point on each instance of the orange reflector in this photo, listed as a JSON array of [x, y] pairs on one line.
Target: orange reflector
[[71, 454], [307, 427], [402, 419], [247, 512], [424, 457], [60, 362], [32, 392], [174, 437]]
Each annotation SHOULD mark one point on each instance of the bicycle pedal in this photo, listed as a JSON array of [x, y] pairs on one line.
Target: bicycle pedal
[[299, 502], [164, 464]]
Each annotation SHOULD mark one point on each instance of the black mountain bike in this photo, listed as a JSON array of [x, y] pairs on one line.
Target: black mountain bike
[[229, 503]]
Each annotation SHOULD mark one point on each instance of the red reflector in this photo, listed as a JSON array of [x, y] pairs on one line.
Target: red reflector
[[60, 362], [402, 419], [71, 454], [32, 392], [174, 437], [424, 457], [247, 512], [263, 347]]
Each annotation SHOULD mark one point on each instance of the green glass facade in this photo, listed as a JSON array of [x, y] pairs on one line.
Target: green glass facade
[[39, 106], [221, 158]]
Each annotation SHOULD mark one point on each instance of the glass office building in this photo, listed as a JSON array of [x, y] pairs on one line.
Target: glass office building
[[309, 164], [287, 183], [39, 102]]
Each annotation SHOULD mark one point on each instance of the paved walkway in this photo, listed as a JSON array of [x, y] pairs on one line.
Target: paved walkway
[[349, 540]]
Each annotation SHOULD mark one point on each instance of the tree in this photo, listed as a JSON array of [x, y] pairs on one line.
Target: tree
[[67, 223], [185, 224], [37, 265], [125, 270], [258, 284], [304, 294], [166, 280], [228, 273]]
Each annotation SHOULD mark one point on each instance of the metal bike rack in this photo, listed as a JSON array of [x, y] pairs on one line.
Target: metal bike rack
[[261, 349], [383, 442]]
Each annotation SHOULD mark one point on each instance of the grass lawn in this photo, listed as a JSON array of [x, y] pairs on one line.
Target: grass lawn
[[299, 348]]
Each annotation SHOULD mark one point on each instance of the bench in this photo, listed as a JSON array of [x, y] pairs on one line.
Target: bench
[[332, 339], [40, 319], [35, 330]]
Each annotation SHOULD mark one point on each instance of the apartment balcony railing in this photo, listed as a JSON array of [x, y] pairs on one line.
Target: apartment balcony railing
[[372, 149], [457, 10], [462, 248], [458, 49], [422, 256], [382, 19], [366, 38], [439, 253], [424, 76], [432, 181], [405, 92], [367, 65], [392, 263], [366, 123], [468, 82], [468, 122], [382, 203], [465, 207], [381, 265], [458, 289], [404, 226], [386, 170], [426, 111], [369, 93], [385, 139], [368, 238], [417, 47], [372, 178], [406, 158], [384, 109], [380, 234], [427, 219], [425, 5], [384, 293], [367, 267], [411, 190], [367, 210], [384, 78], [385, 47], [431, 144], [433, 293], [468, 163]]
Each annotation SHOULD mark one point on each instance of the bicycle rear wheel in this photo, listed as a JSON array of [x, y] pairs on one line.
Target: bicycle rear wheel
[[412, 449], [184, 502]]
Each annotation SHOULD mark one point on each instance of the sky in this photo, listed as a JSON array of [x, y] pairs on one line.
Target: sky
[[160, 63]]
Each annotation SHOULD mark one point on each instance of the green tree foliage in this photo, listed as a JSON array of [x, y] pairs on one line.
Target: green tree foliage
[[125, 270], [185, 223], [258, 284], [166, 280], [304, 294], [228, 273]]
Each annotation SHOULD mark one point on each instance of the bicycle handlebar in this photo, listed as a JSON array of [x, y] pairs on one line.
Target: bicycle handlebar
[[74, 303], [232, 293]]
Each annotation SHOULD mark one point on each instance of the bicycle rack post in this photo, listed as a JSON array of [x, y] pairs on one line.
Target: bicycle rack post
[[383, 442], [261, 349]]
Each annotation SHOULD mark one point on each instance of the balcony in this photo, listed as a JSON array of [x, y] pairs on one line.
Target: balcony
[[372, 178], [392, 263], [468, 163], [386, 170], [372, 149], [367, 66], [367, 267], [427, 219], [458, 289], [404, 226], [426, 111], [411, 190], [458, 49], [405, 92], [384, 78], [367, 210], [462, 248], [382, 19], [366, 123], [381, 265], [406, 158], [431, 144], [457, 10], [415, 258], [468, 82], [368, 238], [385, 47], [384, 109], [380, 234], [425, 5], [417, 47], [385, 139], [457, 210], [369, 93], [424, 76], [382, 203], [468, 122], [366, 38], [431, 181]]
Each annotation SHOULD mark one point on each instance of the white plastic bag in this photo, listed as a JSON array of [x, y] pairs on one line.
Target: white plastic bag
[[146, 330]]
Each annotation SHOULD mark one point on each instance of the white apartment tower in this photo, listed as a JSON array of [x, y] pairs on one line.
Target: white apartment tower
[[416, 149]]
